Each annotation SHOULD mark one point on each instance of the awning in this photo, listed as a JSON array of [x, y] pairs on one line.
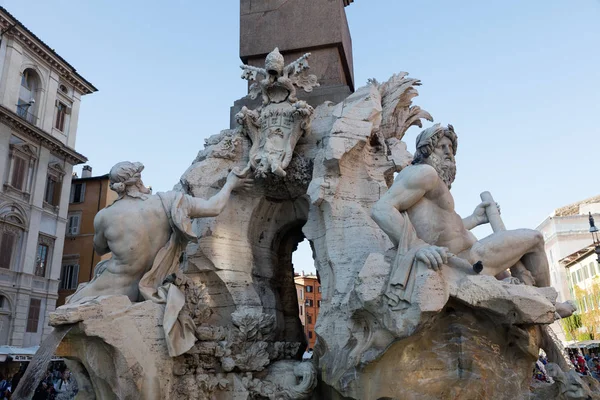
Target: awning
[[584, 344], [20, 353]]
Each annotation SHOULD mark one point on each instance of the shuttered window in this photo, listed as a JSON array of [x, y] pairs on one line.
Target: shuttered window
[[73, 225], [33, 317], [7, 247], [19, 173]]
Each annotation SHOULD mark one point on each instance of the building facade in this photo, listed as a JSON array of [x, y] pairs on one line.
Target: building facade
[[40, 95], [567, 231], [583, 277], [308, 290], [89, 195]]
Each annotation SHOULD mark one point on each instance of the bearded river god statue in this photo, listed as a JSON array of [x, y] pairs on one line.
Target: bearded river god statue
[[199, 302]]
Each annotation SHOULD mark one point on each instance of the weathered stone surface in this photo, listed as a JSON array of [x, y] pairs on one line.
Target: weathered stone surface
[[95, 308], [121, 346], [461, 355]]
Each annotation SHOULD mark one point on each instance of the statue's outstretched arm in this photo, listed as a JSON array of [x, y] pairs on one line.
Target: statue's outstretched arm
[[214, 206], [410, 186]]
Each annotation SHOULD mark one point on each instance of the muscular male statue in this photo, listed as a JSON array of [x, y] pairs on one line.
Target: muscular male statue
[[138, 225], [421, 193]]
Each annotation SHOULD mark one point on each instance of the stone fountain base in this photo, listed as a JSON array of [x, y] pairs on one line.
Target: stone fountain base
[[117, 348], [461, 355]]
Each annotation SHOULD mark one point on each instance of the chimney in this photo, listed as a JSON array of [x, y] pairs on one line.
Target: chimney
[[86, 171]]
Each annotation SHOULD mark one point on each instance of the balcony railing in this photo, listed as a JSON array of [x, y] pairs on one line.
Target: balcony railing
[[23, 112]]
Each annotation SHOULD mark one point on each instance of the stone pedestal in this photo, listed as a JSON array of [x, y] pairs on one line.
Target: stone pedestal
[[462, 355], [119, 347]]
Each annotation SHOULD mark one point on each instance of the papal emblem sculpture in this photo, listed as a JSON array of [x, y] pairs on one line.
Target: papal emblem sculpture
[[276, 126]]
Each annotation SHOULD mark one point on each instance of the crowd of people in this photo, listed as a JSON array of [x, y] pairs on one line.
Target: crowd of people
[[588, 364], [57, 384], [584, 364]]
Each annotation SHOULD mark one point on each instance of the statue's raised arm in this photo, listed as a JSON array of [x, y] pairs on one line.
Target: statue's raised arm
[[146, 235]]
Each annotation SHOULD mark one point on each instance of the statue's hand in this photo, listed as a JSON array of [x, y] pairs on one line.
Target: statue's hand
[[239, 179], [433, 256], [480, 215]]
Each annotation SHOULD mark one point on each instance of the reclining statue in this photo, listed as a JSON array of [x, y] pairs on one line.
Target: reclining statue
[[417, 213], [146, 235]]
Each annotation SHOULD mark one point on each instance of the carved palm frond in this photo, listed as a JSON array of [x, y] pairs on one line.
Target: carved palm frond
[[398, 113]]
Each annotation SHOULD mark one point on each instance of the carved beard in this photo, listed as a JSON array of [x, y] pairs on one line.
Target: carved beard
[[446, 169], [138, 191]]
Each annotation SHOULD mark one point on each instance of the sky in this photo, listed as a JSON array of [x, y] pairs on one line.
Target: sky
[[519, 80]]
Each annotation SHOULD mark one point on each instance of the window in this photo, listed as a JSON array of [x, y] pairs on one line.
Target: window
[[574, 277], [43, 255], [593, 271], [319, 303], [28, 92], [310, 334], [309, 319], [309, 303], [41, 260], [578, 275], [309, 289], [61, 115], [63, 89], [21, 160], [301, 311], [69, 276], [586, 274], [319, 289], [52, 194], [33, 317], [73, 224], [77, 193], [12, 226], [300, 294], [18, 174], [591, 301], [56, 172], [8, 242]]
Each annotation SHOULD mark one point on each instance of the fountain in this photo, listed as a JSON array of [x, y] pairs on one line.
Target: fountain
[[404, 315]]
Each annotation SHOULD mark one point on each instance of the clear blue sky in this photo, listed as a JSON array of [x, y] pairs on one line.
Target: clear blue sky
[[519, 80]]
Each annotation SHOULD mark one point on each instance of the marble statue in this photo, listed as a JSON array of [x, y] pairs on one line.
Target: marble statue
[[275, 128], [146, 235], [417, 213]]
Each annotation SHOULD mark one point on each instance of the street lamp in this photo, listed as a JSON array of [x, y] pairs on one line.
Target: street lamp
[[594, 232]]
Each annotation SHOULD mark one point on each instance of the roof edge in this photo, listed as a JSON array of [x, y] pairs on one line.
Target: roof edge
[[65, 68]]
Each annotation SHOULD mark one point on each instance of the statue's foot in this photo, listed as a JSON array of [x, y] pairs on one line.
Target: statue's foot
[[565, 309]]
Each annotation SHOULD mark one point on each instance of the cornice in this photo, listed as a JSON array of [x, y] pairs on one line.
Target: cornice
[[56, 146], [14, 27]]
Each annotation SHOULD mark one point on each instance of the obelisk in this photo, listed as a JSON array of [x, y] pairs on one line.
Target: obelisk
[[296, 27]]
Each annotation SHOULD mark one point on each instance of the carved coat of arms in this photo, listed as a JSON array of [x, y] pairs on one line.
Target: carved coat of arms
[[275, 127]]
